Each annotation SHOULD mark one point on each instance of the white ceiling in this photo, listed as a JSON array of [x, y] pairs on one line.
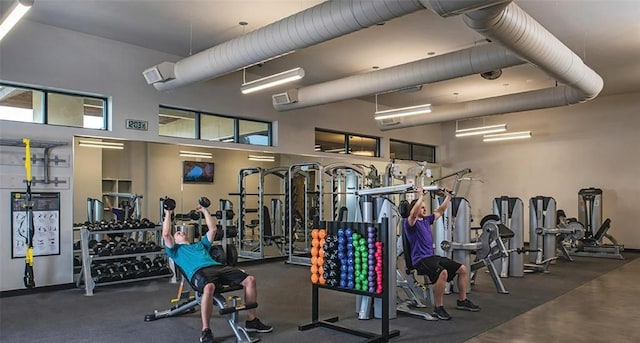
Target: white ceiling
[[604, 33]]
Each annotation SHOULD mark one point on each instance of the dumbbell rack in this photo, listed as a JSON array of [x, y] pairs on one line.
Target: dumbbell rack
[[88, 259], [331, 323]]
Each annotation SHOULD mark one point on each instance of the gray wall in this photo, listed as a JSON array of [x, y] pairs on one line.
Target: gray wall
[[581, 146]]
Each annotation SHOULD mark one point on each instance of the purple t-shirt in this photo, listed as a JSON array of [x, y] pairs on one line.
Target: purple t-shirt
[[420, 238]]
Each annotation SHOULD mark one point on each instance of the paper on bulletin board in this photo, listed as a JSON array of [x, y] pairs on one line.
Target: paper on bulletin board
[[46, 224]]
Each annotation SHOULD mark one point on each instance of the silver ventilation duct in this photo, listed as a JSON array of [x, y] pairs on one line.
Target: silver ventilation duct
[[504, 23], [510, 26], [315, 25], [500, 20], [515, 29], [438, 68]]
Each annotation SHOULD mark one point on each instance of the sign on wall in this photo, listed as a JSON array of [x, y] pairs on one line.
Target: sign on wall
[[133, 124], [46, 224]]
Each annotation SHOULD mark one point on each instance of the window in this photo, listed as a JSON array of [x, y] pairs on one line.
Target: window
[[182, 123], [55, 108], [412, 151], [363, 146], [400, 150], [216, 128], [177, 123], [339, 142], [254, 132]]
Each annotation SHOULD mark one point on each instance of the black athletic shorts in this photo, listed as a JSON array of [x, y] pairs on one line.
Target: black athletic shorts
[[432, 266], [218, 275]]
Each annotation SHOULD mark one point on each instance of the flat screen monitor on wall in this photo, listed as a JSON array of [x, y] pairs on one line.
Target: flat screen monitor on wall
[[197, 172]]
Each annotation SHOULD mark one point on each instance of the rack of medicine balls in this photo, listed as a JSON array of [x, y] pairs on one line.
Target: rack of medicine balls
[[350, 257], [118, 258]]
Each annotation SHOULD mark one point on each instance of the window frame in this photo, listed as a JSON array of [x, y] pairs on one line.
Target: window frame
[[198, 115], [411, 149], [346, 145], [44, 93]]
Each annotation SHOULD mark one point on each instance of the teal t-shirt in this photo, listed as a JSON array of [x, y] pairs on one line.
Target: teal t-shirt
[[191, 257]]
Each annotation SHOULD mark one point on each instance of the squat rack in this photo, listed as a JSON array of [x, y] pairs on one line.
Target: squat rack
[[258, 251]]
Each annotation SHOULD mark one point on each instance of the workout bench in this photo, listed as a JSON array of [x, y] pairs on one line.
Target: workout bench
[[229, 310]]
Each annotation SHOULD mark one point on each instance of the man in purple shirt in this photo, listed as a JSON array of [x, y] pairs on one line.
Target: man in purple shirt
[[439, 269]]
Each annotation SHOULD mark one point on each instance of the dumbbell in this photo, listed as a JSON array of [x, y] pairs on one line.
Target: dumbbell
[[204, 202], [194, 215], [147, 223], [118, 248], [99, 274], [169, 204], [229, 214], [145, 266]]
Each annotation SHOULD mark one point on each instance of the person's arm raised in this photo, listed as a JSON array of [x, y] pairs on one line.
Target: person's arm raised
[[167, 236], [415, 210], [211, 223], [439, 212]]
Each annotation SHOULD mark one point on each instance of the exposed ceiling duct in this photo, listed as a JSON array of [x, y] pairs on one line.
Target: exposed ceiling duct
[[438, 68], [499, 20], [515, 29], [503, 23], [315, 25]]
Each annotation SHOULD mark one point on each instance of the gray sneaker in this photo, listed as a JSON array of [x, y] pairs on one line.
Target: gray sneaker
[[441, 314], [467, 305], [206, 336], [256, 325]]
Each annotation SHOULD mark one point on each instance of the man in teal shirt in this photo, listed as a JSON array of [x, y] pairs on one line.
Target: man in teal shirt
[[204, 272]]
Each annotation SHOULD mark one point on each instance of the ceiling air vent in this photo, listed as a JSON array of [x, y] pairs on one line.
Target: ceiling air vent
[[492, 74], [285, 98], [159, 73], [390, 121]]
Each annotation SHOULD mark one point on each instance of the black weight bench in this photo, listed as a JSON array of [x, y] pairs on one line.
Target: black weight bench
[[229, 309], [268, 237]]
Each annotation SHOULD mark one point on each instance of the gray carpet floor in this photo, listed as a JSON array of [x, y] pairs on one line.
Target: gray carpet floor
[[116, 313]]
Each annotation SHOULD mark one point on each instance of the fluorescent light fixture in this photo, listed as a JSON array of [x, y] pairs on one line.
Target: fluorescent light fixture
[[317, 147], [262, 158], [362, 153], [18, 11], [481, 130], [401, 112], [273, 80], [195, 154], [506, 136], [102, 145]]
